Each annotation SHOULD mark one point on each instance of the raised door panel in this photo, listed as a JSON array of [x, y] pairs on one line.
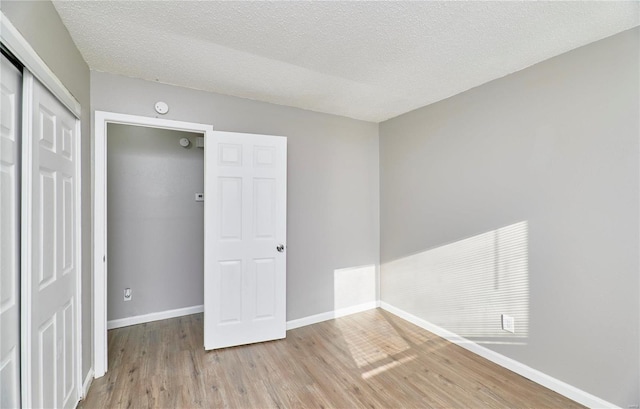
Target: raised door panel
[[47, 375], [46, 241], [68, 357], [264, 208], [10, 379], [230, 198], [68, 237], [265, 290], [230, 292]]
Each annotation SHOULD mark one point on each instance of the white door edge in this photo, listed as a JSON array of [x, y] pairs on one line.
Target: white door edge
[[102, 118], [25, 240], [78, 235]]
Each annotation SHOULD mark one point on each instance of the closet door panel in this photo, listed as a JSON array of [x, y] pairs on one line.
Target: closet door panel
[[52, 244], [10, 102]]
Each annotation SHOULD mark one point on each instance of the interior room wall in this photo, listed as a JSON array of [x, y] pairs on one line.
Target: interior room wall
[[555, 146], [155, 234], [528, 185], [333, 182], [40, 25]]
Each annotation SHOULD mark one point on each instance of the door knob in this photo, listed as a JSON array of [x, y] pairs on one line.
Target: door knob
[[280, 248]]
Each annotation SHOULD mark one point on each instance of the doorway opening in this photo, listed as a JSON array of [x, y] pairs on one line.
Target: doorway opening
[[114, 122], [244, 234], [155, 210]]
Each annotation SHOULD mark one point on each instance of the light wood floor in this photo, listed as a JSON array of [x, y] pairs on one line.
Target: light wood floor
[[372, 359]]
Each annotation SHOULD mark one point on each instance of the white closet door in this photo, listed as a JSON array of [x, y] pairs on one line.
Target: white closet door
[[11, 107], [50, 238], [245, 234]]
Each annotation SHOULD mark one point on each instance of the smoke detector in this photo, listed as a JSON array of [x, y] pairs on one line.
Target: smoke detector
[[162, 107]]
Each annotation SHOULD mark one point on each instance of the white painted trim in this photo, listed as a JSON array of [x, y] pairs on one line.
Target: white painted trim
[[14, 41], [87, 383], [99, 307], [78, 243], [329, 315], [26, 234], [100, 266], [154, 316], [541, 378]]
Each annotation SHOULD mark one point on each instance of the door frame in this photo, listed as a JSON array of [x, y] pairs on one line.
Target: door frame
[[100, 267]]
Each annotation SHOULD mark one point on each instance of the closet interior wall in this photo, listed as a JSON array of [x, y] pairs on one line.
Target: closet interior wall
[[154, 223]]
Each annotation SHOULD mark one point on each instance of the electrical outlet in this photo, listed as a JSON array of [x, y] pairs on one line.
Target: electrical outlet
[[508, 323], [127, 294]]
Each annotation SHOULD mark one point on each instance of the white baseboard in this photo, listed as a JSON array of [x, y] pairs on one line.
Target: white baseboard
[[329, 315], [155, 316], [87, 384], [541, 378]]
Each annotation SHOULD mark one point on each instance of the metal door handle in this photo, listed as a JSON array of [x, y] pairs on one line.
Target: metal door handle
[[280, 248]]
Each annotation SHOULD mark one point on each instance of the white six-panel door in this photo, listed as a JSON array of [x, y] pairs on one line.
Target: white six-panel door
[[10, 104], [50, 239], [245, 237]]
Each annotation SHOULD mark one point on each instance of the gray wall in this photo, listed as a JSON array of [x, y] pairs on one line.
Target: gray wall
[[332, 202], [555, 146], [40, 25], [156, 231]]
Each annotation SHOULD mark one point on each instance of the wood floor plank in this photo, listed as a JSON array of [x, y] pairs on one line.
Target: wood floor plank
[[367, 360]]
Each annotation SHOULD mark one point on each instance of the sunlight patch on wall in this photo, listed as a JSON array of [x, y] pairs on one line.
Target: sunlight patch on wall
[[465, 286], [354, 286]]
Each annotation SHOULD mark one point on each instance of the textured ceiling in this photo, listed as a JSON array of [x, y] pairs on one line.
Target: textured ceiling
[[364, 60]]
